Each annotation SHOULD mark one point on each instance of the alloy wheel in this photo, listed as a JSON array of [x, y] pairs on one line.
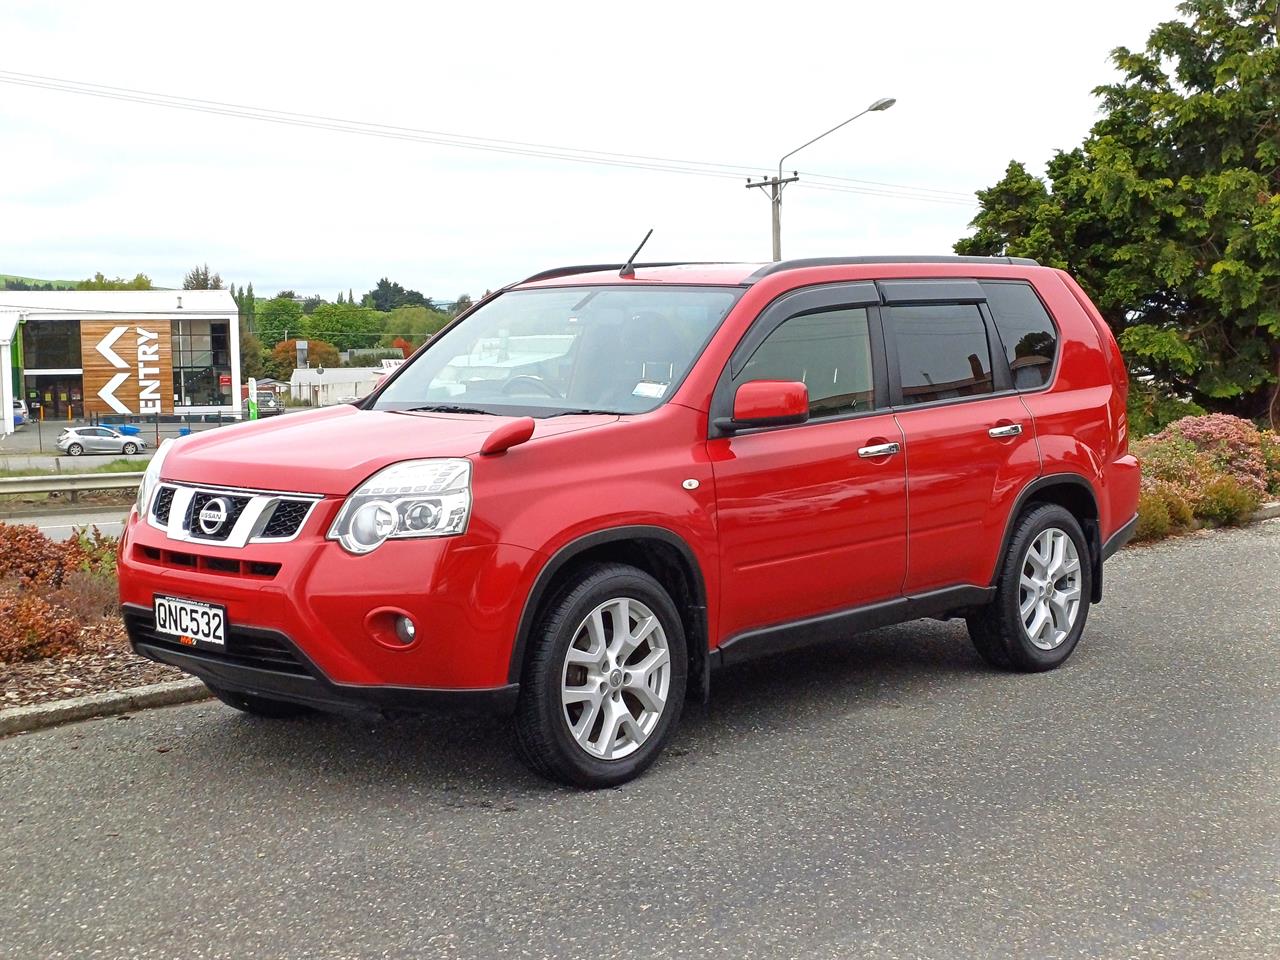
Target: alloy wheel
[[616, 678], [1049, 588]]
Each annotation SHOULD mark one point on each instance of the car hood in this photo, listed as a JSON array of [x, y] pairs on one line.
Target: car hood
[[330, 451]]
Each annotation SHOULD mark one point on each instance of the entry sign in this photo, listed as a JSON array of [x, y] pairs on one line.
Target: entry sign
[[253, 398], [128, 366]]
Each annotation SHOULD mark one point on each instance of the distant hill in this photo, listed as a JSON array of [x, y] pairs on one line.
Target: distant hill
[[57, 284]]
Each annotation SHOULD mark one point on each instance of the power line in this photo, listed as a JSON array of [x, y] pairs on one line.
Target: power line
[[466, 142]]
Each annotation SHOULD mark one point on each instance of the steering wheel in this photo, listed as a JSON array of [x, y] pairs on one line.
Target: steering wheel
[[524, 379]]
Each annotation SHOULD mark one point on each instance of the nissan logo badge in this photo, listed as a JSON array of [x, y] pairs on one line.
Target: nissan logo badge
[[214, 514]]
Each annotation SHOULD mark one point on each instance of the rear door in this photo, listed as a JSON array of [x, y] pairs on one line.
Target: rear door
[[969, 440], [812, 517]]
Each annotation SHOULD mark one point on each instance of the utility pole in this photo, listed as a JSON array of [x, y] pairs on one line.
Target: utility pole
[[775, 185]]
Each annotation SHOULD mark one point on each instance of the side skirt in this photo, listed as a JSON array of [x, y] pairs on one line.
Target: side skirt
[[840, 625]]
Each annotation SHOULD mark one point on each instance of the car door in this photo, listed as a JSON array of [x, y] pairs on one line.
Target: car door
[[96, 440], [811, 516], [968, 438]]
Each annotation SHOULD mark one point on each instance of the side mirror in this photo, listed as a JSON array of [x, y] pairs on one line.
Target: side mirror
[[768, 403]]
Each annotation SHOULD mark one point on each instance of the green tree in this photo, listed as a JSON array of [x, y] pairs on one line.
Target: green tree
[[1169, 212], [199, 278], [462, 303], [98, 282], [277, 319], [344, 325], [387, 296], [414, 324], [284, 357], [252, 356]]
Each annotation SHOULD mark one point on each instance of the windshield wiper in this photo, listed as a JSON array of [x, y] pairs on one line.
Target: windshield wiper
[[445, 408], [582, 412]]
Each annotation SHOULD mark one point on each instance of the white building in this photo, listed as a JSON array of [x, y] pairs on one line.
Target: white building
[[72, 354], [323, 386]]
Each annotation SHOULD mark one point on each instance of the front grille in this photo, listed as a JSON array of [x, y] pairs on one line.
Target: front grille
[[164, 501], [201, 500], [249, 516], [286, 518], [261, 649]]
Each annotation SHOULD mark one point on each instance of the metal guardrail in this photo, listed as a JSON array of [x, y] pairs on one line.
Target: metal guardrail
[[72, 483]]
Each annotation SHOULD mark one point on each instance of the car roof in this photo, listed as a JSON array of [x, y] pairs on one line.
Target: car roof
[[732, 274]]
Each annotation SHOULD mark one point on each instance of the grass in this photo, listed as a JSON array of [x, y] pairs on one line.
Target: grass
[[57, 284], [115, 466]]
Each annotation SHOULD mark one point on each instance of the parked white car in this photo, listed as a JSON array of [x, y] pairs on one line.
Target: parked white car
[[75, 441]]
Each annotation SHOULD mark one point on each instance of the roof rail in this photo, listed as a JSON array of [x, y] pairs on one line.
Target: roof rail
[[589, 268], [781, 265]]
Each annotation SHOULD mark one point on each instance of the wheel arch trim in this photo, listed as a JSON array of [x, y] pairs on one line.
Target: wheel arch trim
[[575, 548], [1091, 527]]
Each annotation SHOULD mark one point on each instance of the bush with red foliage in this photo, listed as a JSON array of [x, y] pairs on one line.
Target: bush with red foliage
[[50, 590]]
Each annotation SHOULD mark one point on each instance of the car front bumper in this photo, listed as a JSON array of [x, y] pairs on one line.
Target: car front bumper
[[306, 620], [301, 681]]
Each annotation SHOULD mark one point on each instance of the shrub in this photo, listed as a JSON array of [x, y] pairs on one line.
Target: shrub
[[1227, 502], [31, 628], [1151, 410], [1174, 460], [86, 596], [1271, 458], [36, 561], [1234, 446], [1162, 510], [29, 556]]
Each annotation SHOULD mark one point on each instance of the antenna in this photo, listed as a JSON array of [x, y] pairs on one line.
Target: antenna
[[627, 269]]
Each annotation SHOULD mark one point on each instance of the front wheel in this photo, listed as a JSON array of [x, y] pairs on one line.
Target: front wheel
[[1042, 594], [605, 682], [130, 449]]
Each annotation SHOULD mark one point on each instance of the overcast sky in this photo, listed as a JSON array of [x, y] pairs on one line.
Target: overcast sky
[[91, 184]]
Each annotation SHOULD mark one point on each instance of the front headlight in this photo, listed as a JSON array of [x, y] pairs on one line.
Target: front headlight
[[416, 498], [151, 478]]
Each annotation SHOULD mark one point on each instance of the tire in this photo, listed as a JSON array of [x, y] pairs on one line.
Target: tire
[[258, 706], [129, 449], [75, 450], [1043, 540], [624, 718]]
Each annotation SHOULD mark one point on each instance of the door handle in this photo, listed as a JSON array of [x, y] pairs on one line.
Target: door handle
[[1008, 430], [879, 450]]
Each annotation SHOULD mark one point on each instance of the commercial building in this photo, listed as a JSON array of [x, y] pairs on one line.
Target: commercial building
[[73, 354]]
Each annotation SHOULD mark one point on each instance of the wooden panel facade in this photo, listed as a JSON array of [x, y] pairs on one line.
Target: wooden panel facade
[[128, 366]]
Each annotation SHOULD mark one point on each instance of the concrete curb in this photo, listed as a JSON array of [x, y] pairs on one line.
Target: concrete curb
[[22, 719], [1267, 511]]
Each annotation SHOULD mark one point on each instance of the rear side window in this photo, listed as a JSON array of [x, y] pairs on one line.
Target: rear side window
[[1029, 337], [829, 352], [942, 351]]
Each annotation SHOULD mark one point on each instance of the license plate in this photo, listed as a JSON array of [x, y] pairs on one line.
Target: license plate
[[191, 622]]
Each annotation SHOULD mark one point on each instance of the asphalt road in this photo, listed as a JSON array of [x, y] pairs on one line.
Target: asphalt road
[[889, 797], [60, 526]]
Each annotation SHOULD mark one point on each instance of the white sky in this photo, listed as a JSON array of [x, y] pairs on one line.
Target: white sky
[[89, 184]]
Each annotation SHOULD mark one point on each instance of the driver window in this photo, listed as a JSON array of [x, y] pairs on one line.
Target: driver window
[[829, 352]]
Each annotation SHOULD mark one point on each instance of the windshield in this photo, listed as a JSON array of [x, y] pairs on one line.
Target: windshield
[[546, 352]]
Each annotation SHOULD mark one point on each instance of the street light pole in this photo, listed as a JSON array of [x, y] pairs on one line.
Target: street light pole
[[776, 183]]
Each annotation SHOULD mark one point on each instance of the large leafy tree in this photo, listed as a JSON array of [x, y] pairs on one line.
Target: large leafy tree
[[1169, 212], [277, 319], [388, 295], [99, 282], [199, 278], [345, 325]]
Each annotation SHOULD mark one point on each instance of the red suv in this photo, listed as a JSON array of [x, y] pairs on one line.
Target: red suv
[[599, 485]]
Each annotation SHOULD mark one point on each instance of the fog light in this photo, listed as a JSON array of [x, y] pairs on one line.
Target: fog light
[[405, 630]]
